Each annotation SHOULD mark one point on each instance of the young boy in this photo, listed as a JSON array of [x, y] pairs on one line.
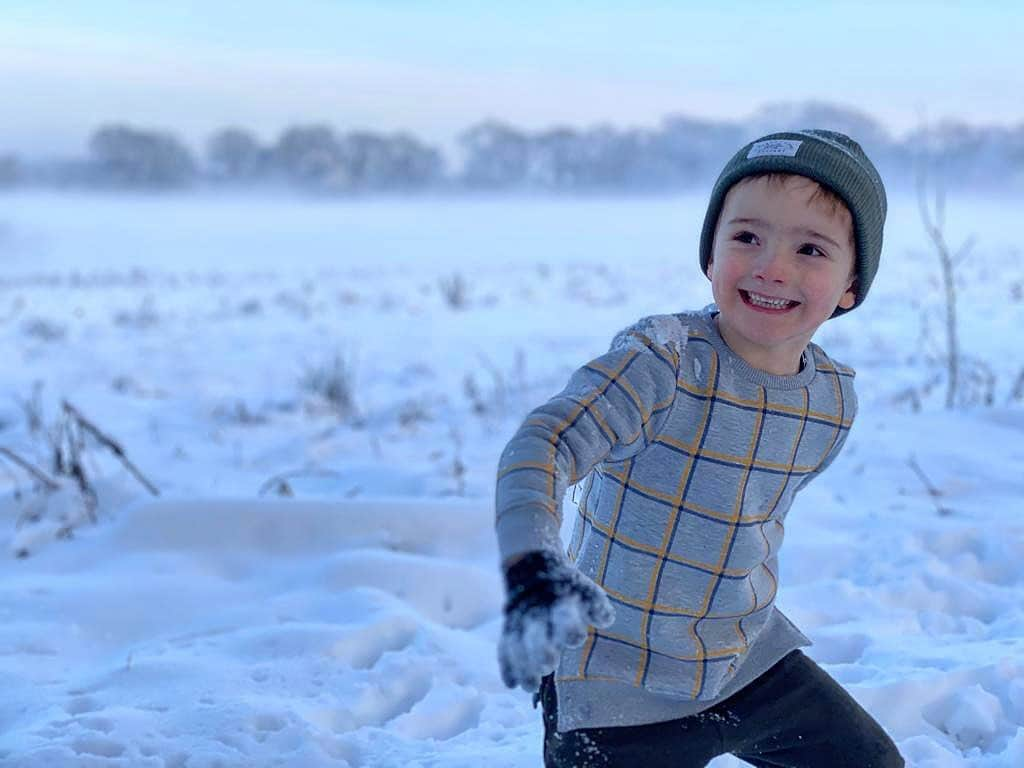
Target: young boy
[[654, 638]]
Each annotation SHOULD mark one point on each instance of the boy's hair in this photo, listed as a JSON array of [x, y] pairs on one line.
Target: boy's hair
[[840, 167], [822, 194]]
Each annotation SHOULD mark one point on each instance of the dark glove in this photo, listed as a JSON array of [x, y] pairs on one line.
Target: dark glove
[[548, 607]]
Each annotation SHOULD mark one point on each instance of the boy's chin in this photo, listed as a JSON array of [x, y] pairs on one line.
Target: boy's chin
[[770, 328]]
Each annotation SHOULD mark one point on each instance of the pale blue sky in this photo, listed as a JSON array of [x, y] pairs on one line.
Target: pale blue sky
[[436, 67]]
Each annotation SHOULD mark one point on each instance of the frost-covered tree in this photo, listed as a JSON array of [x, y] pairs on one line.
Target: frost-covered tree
[[496, 155], [10, 170], [234, 154], [316, 157], [681, 152], [399, 161], [786, 116], [411, 163], [1015, 158], [558, 159], [693, 150], [312, 156], [634, 159], [125, 156], [879, 145], [971, 156]]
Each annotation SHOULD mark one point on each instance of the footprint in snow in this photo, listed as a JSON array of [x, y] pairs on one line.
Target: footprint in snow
[[97, 747], [81, 705], [99, 724], [445, 712], [363, 647], [391, 697]]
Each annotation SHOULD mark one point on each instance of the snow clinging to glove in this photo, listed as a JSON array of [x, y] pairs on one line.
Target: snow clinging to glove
[[549, 606]]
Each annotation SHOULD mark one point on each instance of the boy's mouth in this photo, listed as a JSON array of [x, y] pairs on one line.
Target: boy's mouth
[[767, 303]]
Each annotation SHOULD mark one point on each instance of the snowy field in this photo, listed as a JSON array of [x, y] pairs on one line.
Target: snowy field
[[321, 391]]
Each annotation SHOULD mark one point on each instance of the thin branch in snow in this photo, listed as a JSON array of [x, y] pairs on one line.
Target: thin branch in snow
[[69, 451], [499, 384], [934, 222], [965, 249], [933, 492], [33, 408], [279, 483], [44, 479], [335, 382], [458, 468], [454, 290], [108, 443], [1017, 391]]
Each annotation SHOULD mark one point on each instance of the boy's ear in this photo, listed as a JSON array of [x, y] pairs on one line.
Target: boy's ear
[[708, 270], [849, 297]]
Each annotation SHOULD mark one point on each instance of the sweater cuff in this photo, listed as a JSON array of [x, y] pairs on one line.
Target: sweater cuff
[[524, 530]]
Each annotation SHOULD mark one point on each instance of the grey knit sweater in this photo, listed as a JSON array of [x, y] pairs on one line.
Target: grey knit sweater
[[690, 459]]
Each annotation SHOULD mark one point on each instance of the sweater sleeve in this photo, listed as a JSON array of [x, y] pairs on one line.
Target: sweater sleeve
[[849, 414], [611, 409]]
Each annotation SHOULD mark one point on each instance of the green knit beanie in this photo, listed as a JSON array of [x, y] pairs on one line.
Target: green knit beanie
[[832, 159]]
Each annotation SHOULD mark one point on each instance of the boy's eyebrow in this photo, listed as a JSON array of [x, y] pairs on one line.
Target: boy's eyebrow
[[800, 230]]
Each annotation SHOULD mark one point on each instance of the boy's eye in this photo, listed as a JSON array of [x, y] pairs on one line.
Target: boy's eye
[[812, 250], [745, 237]]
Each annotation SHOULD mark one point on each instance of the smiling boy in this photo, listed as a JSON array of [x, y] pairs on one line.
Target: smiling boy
[[780, 266], [654, 638]]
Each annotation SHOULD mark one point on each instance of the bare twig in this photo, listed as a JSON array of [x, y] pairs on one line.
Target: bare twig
[[499, 383], [282, 478], [934, 228], [108, 443], [964, 250], [1017, 391], [934, 225], [33, 408], [473, 394], [982, 379], [335, 382], [68, 451], [520, 370], [67, 441], [454, 290], [934, 493], [48, 482], [458, 469]]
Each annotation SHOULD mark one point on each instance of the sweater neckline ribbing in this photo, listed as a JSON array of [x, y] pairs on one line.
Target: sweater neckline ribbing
[[745, 370]]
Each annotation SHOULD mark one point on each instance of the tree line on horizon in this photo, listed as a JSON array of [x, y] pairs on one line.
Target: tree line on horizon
[[682, 152]]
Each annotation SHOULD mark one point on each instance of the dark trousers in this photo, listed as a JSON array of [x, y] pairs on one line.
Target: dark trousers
[[793, 716]]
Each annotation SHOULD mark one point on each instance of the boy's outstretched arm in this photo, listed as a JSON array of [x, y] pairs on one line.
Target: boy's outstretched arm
[[610, 409]]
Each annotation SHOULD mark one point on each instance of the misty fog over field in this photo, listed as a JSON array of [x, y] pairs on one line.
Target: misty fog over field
[[320, 389], [278, 285]]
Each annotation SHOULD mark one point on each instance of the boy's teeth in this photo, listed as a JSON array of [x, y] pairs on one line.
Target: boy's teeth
[[763, 301]]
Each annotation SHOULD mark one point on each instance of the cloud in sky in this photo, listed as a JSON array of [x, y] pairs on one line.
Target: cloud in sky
[[436, 67]]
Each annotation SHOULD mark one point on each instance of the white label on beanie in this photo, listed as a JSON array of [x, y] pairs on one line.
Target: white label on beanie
[[784, 147]]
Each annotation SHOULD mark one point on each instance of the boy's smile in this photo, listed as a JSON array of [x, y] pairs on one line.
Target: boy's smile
[[782, 261]]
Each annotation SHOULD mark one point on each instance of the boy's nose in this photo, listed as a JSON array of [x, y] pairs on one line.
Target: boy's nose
[[772, 265]]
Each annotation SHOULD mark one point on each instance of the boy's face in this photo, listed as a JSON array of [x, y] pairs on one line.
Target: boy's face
[[773, 242]]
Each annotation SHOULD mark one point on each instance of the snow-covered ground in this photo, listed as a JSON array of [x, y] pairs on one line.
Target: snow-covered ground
[[317, 583]]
